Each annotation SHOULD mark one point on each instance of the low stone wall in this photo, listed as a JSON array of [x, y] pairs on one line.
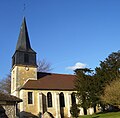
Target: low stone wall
[[9, 110]]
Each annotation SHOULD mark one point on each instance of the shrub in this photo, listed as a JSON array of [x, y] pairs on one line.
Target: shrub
[[74, 110]]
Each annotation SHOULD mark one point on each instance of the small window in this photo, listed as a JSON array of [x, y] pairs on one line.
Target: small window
[[49, 99], [30, 98], [26, 58]]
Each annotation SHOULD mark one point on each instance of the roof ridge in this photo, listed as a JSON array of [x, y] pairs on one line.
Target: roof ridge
[[55, 73]]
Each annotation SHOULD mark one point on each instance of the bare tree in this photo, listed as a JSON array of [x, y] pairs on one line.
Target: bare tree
[[43, 66], [5, 84]]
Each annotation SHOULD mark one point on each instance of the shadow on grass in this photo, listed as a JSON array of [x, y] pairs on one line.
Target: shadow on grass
[[95, 117], [105, 112]]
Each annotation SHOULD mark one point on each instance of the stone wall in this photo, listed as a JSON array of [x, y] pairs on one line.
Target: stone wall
[[10, 110], [40, 103], [19, 76]]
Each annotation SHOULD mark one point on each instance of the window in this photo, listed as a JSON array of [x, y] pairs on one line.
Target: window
[[30, 98], [62, 101], [73, 98], [26, 58], [49, 99]]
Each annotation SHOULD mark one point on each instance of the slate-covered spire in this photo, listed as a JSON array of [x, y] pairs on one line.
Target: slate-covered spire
[[23, 43], [24, 55]]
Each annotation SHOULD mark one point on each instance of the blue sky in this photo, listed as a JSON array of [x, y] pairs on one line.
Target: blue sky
[[64, 32]]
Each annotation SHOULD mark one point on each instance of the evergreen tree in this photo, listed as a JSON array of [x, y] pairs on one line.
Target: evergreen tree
[[108, 71], [85, 84]]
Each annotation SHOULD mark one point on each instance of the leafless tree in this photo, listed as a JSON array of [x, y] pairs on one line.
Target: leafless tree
[[5, 84], [43, 66]]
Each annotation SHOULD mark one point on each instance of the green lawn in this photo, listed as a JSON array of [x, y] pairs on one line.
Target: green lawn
[[103, 115]]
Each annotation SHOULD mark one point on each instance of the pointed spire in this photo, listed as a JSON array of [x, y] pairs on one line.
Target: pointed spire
[[24, 54], [23, 43]]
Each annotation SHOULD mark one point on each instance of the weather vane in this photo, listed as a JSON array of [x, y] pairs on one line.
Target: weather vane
[[24, 7]]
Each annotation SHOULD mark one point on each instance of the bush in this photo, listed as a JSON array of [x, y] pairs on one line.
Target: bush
[[74, 110]]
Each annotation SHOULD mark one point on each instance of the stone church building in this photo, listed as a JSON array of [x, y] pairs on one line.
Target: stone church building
[[43, 94]]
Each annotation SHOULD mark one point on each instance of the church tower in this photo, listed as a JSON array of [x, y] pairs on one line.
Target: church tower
[[24, 65]]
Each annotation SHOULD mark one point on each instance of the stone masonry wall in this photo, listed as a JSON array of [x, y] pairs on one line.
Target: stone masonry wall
[[9, 110]]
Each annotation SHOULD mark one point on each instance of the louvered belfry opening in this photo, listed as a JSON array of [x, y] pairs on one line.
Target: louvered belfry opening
[[24, 54]]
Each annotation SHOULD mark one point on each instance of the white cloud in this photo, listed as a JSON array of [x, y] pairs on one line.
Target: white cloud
[[78, 65]]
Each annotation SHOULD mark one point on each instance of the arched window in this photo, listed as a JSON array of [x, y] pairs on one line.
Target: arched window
[[62, 101], [49, 99], [73, 98]]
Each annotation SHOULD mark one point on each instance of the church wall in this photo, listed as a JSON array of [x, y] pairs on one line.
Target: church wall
[[35, 107], [90, 111], [13, 81], [24, 74], [29, 108], [20, 75]]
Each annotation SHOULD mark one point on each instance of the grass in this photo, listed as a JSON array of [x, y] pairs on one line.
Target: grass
[[103, 115]]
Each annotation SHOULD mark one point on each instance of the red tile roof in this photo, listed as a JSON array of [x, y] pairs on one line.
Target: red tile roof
[[50, 81]]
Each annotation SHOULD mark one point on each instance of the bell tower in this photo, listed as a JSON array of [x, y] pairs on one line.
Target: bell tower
[[24, 65]]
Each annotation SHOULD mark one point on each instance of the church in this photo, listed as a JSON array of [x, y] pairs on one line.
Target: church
[[43, 94]]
